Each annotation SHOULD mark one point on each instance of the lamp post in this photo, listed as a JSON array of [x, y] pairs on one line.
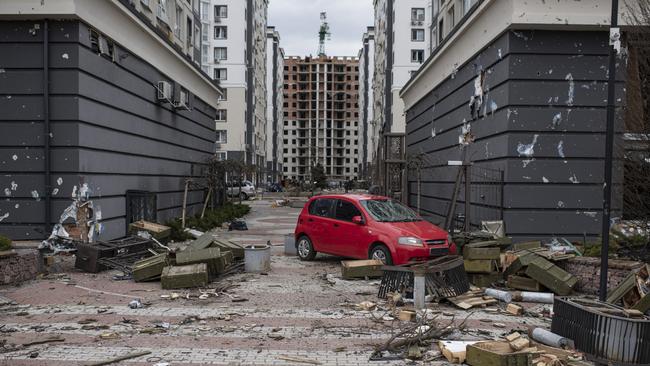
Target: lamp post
[[609, 152]]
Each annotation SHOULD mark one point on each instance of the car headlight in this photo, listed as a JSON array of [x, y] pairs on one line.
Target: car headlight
[[449, 239], [409, 240]]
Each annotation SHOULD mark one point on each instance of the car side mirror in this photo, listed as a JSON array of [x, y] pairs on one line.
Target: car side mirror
[[357, 220]]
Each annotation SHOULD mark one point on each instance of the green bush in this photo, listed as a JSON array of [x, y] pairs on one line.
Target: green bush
[[211, 220], [5, 243]]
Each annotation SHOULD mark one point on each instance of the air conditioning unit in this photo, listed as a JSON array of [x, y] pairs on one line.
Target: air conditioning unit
[[217, 19], [164, 91], [217, 60], [217, 145], [182, 102], [103, 46]]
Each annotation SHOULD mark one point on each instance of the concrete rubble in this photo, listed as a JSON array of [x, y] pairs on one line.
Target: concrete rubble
[[192, 303]]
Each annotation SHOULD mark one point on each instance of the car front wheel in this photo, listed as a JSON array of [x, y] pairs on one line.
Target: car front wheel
[[381, 253], [243, 196], [306, 250]]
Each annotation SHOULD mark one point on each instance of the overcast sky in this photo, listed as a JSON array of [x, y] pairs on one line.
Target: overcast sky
[[298, 22]]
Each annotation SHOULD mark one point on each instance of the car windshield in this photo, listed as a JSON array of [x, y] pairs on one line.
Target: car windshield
[[389, 211]]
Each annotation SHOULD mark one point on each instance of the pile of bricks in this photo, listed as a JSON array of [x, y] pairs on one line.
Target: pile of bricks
[[587, 270], [23, 265]]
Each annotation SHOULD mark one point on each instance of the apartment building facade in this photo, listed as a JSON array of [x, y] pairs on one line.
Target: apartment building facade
[[402, 43], [368, 128], [321, 117], [519, 91], [97, 92], [274, 109], [233, 51]]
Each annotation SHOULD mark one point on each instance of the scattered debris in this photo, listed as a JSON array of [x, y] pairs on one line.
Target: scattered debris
[[367, 268], [121, 358]]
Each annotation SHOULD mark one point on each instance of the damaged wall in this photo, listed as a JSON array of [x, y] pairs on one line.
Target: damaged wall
[[541, 120], [107, 130]]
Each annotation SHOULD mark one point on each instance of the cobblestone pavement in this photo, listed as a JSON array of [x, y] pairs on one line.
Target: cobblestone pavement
[[295, 312]]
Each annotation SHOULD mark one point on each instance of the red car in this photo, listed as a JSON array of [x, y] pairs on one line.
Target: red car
[[364, 226]]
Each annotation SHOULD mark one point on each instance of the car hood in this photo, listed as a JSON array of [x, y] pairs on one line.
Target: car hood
[[419, 229]]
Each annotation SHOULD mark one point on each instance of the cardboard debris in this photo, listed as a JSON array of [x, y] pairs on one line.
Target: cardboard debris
[[407, 315], [361, 268], [454, 351]]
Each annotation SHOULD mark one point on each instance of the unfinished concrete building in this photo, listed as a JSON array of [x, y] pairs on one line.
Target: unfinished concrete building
[[321, 117]]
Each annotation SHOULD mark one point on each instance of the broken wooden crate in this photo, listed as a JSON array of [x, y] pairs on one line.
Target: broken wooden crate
[[209, 241], [150, 268], [361, 268], [193, 275], [496, 354], [524, 283], [551, 276], [157, 231], [634, 291], [216, 260]]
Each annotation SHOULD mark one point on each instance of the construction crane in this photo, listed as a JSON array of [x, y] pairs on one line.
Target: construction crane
[[324, 34]]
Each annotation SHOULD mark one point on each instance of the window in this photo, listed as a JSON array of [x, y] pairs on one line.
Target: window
[[417, 14], [222, 136], [205, 11], [467, 4], [441, 30], [220, 74], [145, 2], [345, 210], [204, 54], [220, 53], [205, 32], [221, 155], [222, 115], [177, 25], [161, 11], [417, 35], [220, 32], [321, 207], [224, 96], [451, 14], [220, 11], [417, 56]]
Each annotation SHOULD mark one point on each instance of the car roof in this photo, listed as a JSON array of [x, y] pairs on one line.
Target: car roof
[[352, 196]]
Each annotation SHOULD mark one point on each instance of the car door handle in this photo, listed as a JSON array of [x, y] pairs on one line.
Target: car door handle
[[310, 220], [336, 225]]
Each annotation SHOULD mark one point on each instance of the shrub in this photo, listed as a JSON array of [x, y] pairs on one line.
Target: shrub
[[5, 243], [211, 219]]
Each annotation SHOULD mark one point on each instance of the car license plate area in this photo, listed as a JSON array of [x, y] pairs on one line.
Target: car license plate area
[[436, 252]]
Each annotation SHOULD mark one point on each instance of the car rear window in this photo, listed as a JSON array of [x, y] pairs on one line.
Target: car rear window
[[321, 207]]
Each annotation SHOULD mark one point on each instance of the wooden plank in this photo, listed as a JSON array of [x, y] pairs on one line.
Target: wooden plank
[[623, 288], [524, 258], [551, 276]]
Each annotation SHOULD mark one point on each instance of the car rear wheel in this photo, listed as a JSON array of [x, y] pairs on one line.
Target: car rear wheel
[[380, 252], [243, 196], [306, 250]]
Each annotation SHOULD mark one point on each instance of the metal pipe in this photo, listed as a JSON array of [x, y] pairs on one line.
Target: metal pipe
[[47, 131], [609, 152]]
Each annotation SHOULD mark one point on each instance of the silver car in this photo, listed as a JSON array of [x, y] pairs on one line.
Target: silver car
[[247, 189]]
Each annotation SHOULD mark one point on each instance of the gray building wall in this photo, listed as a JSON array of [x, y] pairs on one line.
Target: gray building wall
[[548, 84], [107, 130]]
